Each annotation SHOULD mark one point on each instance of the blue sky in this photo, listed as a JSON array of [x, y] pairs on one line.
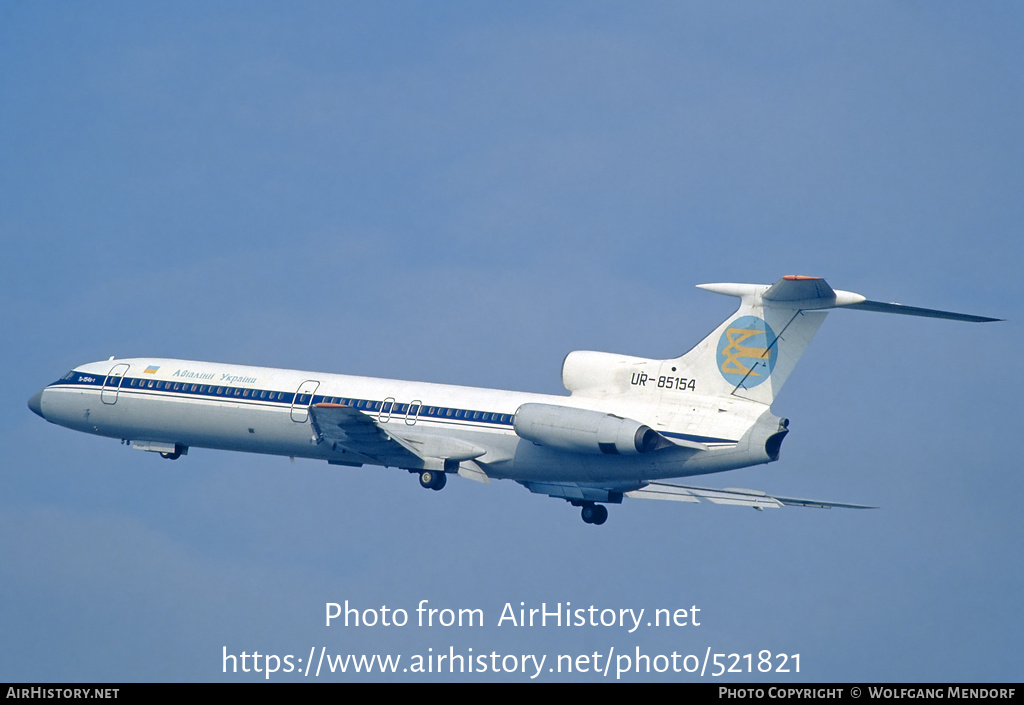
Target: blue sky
[[464, 193]]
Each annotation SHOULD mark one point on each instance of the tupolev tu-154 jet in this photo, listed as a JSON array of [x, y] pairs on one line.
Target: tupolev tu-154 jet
[[628, 424]]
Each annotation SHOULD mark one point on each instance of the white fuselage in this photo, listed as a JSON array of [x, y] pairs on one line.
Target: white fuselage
[[627, 422], [184, 403]]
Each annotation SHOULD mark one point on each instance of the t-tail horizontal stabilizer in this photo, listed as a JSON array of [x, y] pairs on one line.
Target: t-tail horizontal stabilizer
[[814, 294], [880, 307], [751, 355]]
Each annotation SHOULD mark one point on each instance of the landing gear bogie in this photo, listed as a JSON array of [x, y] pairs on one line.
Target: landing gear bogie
[[433, 480], [596, 514], [179, 450]]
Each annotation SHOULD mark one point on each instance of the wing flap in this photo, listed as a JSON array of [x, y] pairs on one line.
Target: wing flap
[[472, 471], [429, 446], [732, 495], [574, 491], [352, 430]]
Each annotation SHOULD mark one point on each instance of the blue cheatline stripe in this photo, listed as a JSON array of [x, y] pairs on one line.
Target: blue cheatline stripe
[[264, 396], [275, 397], [697, 439]]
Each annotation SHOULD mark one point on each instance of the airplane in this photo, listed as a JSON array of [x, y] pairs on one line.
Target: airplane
[[628, 424]]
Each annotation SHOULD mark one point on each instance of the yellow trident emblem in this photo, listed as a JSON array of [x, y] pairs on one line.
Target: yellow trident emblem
[[734, 351]]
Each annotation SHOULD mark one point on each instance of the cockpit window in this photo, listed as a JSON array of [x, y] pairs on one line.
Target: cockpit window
[[68, 376]]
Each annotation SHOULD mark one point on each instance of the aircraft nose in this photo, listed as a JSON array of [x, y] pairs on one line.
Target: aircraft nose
[[36, 403]]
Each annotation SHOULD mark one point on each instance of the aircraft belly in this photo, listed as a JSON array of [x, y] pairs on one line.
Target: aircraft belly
[[198, 424], [74, 409], [498, 445], [539, 464], [269, 429]]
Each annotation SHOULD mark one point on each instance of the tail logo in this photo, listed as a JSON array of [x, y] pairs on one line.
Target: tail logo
[[747, 352]]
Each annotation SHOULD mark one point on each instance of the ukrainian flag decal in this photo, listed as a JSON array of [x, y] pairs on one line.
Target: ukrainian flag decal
[[151, 370], [747, 352]]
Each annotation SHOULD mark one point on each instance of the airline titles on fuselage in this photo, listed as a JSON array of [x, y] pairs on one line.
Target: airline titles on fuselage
[[225, 377]]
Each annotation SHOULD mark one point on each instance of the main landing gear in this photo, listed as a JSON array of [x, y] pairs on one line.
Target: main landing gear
[[594, 513], [433, 479], [178, 451]]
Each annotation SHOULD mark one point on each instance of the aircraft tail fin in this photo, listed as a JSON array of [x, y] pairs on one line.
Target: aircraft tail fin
[[752, 353]]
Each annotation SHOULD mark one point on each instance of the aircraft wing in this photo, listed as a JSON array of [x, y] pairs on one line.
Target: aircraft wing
[[582, 492], [351, 430], [731, 495]]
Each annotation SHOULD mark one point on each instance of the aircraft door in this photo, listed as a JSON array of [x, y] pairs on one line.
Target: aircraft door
[[303, 400], [413, 412], [112, 384], [386, 409]]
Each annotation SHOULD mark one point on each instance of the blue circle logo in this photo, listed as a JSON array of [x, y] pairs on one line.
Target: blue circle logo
[[747, 352]]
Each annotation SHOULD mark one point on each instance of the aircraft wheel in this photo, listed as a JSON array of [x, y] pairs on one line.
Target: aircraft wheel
[[433, 480], [171, 456], [594, 514]]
